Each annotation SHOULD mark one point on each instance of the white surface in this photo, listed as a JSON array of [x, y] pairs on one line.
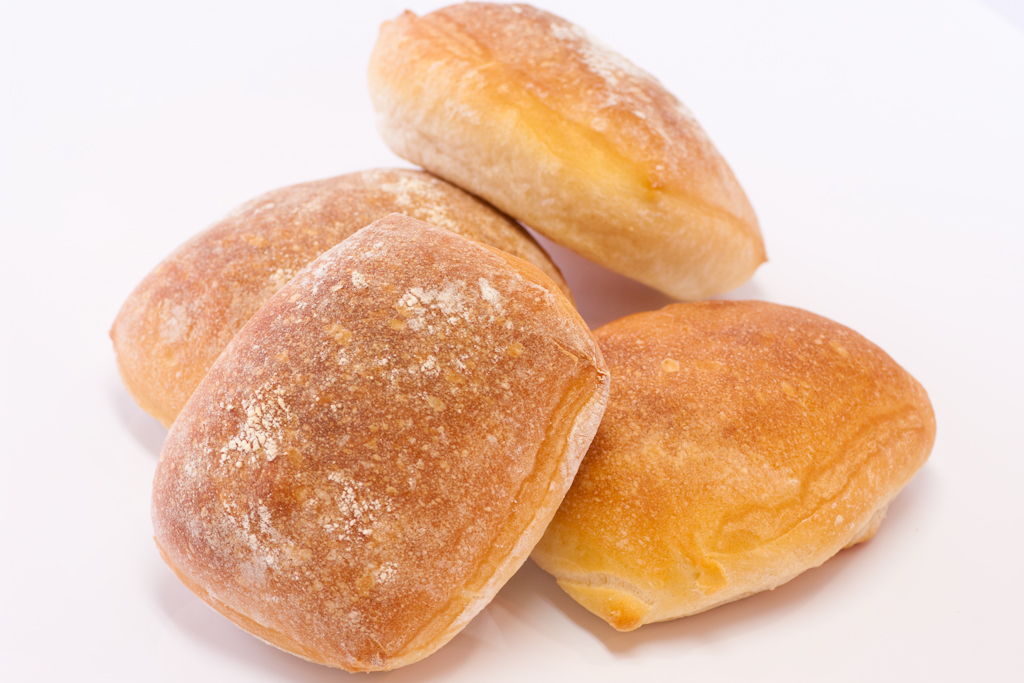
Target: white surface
[[881, 143], [1011, 10]]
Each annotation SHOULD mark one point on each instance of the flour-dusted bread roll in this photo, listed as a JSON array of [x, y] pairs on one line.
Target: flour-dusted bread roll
[[743, 443], [380, 447], [183, 314], [531, 113]]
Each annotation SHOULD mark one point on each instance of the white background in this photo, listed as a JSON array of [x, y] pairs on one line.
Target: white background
[[881, 143]]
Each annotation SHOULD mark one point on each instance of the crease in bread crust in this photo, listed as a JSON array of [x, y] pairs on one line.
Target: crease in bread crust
[[855, 456]]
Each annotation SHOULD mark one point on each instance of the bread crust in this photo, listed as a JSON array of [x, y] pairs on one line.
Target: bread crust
[[380, 447], [182, 315], [744, 442], [530, 112]]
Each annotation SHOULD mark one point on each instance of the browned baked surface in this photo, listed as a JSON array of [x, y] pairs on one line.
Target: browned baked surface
[[379, 448], [183, 314], [743, 443], [526, 110]]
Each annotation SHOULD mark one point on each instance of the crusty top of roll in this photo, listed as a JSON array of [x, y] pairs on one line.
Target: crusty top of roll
[[530, 112], [183, 314], [379, 448], [743, 443]]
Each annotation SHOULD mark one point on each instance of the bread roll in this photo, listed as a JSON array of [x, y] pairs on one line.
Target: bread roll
[[528, 111], [183, 314], [743, 443], [379, 448]]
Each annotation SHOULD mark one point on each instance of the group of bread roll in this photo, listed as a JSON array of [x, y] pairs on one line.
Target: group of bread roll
[[381, 399]]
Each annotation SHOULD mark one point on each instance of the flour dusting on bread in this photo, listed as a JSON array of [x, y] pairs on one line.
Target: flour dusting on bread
[[380, 446]]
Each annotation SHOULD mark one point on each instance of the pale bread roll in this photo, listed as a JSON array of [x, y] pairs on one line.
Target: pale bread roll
[[379, 448], [531, 113], [744, 442], [183, 314]]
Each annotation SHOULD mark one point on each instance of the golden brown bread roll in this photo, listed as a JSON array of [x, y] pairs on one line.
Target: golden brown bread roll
[[183, 314], [526, 110], [379, 448], [743, 443]]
